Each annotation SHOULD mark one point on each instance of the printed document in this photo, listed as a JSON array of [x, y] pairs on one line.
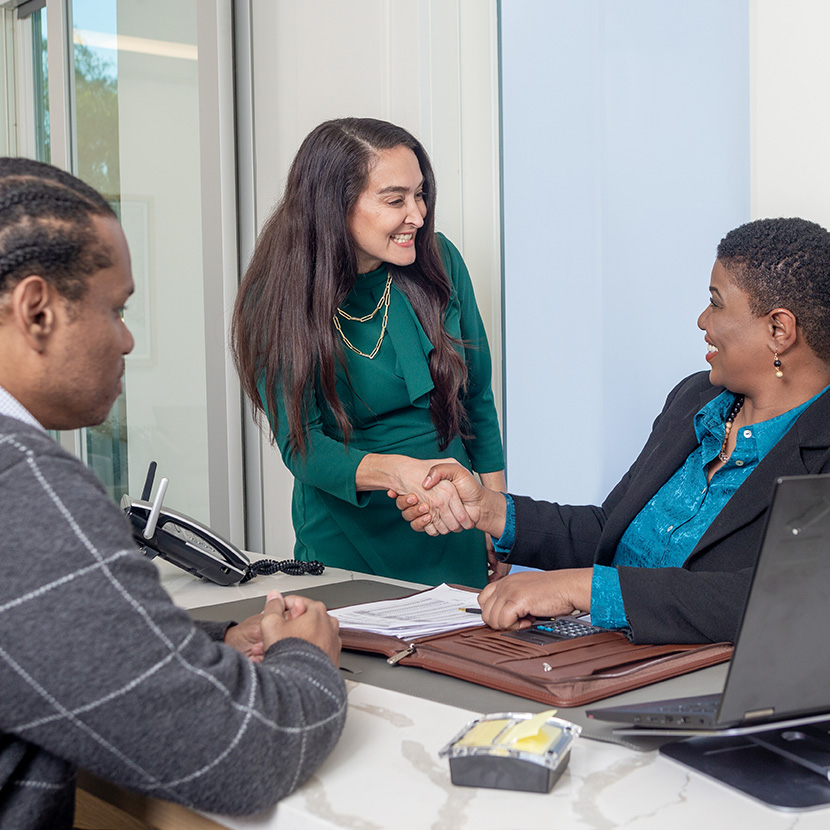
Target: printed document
[[430, 612]]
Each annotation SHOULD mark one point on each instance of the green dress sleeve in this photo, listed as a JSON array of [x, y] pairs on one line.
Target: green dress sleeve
[[463, 321], [328, 463]]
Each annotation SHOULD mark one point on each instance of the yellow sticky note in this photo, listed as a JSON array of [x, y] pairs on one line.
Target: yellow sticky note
[[483, 733], [533, 734], [539, 743]]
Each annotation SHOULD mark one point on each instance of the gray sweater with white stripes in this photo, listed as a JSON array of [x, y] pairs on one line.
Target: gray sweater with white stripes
[[98, 668]]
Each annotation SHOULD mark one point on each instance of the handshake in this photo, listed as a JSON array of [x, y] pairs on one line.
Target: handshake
[[441, 496], [450, 499]]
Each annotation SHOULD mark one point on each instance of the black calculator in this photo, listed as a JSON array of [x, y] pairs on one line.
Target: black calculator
[[564, 628]]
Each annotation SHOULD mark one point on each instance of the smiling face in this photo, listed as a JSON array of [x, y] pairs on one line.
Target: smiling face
[[384, 220], [86, 350], [739, 342]]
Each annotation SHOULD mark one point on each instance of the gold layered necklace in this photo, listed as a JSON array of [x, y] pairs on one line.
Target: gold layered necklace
[[383, 303]]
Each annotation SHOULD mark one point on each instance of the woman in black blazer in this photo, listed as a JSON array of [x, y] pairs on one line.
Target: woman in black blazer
[[767, 330]]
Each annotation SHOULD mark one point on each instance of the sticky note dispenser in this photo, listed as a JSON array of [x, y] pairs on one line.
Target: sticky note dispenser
[[511, 751]]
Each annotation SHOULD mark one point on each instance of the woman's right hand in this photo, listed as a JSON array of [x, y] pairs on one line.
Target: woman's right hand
[[446, 510], [484, 507], [401, 475]]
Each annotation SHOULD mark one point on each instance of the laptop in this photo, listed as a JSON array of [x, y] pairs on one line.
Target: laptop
[[780, 670]]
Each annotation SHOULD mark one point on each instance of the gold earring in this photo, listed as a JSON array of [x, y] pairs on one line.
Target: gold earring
[[777, 364]]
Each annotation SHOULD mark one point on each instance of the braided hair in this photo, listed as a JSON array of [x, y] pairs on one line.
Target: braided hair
[[46, 227]]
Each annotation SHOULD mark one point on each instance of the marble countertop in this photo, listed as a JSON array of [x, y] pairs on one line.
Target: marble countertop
[[385, 771]]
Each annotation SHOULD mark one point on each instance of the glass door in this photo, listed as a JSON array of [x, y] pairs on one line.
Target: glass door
[[135, 86], [136, 139]]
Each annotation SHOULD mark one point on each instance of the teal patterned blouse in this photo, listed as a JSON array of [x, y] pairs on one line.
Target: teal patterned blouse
[[666, 531]]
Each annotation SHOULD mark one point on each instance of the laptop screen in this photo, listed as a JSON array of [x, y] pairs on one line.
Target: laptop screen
[[781, 664]]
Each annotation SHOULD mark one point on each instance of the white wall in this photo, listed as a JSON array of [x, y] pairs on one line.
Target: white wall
[[790, 116], [626, 159], [636, 133], [428, 65]]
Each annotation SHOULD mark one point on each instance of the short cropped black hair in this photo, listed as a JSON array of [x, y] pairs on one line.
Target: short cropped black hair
[[784, 263], [46, 227]]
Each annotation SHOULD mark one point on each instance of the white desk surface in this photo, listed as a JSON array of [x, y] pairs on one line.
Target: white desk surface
[[385, 771]]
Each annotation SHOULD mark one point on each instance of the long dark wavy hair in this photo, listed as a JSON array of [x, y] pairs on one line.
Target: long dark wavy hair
[[304, 266]]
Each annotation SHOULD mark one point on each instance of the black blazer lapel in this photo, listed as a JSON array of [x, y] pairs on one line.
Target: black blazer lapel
[[668, 447]]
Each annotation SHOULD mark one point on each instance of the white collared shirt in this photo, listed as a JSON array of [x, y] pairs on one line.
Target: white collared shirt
[[9, 405]]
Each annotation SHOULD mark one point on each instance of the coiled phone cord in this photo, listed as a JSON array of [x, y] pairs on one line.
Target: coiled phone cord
[[292, 567]]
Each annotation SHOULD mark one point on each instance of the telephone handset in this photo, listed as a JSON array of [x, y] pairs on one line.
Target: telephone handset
[[181, 540], [192, 546]]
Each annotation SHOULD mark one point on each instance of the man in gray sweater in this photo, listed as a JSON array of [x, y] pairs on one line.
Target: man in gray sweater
[[98, 669]]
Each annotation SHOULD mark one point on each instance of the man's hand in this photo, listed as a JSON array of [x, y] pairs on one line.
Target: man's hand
[[295, 616], [512, 602], [246, 638]]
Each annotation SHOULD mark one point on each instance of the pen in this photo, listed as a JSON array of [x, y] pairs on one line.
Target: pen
[[478, 611]]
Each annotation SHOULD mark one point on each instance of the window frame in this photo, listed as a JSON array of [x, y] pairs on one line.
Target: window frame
[[217, 126]]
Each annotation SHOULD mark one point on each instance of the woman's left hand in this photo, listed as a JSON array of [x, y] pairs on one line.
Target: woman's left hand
[[512, 602]]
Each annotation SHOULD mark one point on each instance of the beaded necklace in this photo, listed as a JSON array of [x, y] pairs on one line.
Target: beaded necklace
[[723, 455]]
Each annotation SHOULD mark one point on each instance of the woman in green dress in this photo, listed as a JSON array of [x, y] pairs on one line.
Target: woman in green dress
[[356, 333]]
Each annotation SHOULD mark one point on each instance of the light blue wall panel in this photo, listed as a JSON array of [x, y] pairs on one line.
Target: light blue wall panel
[[626, 159]]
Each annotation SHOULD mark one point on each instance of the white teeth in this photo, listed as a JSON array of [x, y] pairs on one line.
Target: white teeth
[[710, 348], [401, 237]]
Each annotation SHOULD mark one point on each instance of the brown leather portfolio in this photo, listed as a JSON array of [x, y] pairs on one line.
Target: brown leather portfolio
[[560, 673]]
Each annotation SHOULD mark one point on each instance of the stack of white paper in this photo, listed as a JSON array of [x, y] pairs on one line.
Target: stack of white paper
[[430, 612]]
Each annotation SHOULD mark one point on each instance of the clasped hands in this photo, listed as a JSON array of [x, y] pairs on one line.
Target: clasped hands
[[463, 503], [283, 617]]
